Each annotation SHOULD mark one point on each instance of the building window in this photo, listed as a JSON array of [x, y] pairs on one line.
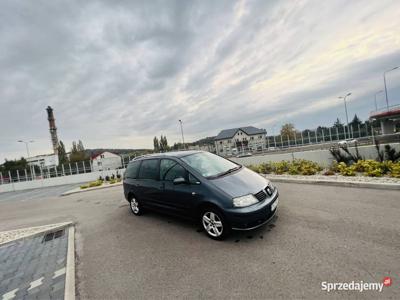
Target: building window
[[252, 138], [220, 142], [229, 141]]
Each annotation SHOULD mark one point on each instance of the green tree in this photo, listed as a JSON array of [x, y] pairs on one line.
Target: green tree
[[62, 154], [13, 165], [156, 144], [77, 152], [338, 123], [163, 144], [356, 121], [288, 131]]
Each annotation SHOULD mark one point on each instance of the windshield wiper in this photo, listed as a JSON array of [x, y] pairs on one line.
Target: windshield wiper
[[225, 172]]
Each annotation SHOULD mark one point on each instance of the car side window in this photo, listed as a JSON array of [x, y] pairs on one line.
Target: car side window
[[175, 172], [149, 169], [132, 170], [165, 166], [192, 179]]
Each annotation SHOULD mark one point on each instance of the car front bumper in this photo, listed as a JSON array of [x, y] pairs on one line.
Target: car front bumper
[[254, 216]]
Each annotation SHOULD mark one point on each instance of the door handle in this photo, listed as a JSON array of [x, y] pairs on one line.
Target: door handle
[[193, 194]]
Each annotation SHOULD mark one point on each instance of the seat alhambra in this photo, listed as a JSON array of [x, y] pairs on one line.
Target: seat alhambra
[[218, 193]]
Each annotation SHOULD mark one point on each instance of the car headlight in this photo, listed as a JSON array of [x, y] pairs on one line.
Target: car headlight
[[244, 201]]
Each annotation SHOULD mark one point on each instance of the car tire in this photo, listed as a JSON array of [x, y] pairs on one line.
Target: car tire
[[214, 224], [135, 206]]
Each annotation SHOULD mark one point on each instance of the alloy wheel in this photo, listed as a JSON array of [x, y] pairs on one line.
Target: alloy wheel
[[134, 206], [212, 223]]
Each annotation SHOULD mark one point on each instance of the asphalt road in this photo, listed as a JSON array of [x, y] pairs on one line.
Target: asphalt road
[[322, 233]]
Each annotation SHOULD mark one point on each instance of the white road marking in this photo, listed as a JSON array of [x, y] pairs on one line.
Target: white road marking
[[59, 273], [36, 283], [9, 295]]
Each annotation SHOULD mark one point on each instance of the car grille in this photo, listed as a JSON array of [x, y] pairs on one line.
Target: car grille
[[263, 194]]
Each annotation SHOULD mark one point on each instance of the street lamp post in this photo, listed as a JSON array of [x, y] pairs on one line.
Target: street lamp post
[[183, 140], [273, 133], [27, 152], [26, 145], [376, 103], [347, 116], [384, 82]]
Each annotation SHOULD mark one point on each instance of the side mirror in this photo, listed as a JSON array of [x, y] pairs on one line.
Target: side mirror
[[179, 180]]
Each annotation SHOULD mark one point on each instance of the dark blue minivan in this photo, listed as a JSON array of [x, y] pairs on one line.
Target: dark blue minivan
[[218, 193]]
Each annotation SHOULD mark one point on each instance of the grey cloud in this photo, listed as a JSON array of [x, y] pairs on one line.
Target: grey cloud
[[116, 69]]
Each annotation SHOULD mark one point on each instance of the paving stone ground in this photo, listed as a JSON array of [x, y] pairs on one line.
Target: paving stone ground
[[34, 268]]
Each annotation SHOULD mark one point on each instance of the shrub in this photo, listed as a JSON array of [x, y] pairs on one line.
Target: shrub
[[84, 187], [281, 167], [346, 170], [112, 181], [254, 168], [266, 168], [95, 183], [395, 170]]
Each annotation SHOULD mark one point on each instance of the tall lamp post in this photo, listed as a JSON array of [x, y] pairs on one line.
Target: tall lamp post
[[376, 103], [26, 145], [347, 116], [384, 82], [27, 152], [273, 133], [183, 139]]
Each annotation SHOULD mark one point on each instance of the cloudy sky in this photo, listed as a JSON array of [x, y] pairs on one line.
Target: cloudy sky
[[117, 73]]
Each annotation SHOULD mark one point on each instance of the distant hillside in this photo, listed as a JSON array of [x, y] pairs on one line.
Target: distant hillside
[[206, 141]]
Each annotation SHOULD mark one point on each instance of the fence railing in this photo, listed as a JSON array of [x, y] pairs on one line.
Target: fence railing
[[364, 134], [35, 172]]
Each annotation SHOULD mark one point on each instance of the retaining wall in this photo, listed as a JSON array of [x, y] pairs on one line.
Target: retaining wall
[[62, 180], [322, 157]]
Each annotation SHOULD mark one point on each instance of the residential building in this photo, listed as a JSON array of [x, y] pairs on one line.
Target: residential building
[[240, 140], [106, 161], [43, 161]]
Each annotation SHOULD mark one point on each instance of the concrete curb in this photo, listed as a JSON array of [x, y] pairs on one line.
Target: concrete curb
[[69, 293], [75, 191], [62, 225], [385, 186]]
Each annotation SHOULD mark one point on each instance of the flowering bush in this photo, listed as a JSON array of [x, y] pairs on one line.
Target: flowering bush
[[368, 167]]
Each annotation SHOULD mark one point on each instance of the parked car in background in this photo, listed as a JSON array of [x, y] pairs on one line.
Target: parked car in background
[[245, 154], [346, 143], [219, 194]]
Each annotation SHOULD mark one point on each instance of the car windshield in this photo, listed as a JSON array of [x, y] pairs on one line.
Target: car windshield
[[209, 165]]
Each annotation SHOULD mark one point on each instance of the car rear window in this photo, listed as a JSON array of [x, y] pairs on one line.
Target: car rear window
[[132, 170], [149, 169]]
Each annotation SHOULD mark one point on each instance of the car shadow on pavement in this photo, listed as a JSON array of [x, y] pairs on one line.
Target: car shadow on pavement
[[236, 236]]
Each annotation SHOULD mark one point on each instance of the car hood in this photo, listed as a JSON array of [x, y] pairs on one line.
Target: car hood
[[240, 183]]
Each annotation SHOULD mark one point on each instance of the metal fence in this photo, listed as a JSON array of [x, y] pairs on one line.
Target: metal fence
[[321, 135], [34, 172]]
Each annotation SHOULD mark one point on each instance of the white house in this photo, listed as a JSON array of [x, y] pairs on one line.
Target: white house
[[106, 161], [239, 140], [46, 160]]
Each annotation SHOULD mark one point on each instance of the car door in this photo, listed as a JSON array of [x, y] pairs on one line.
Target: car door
[[131, 183], [148, 182], [179, 198]]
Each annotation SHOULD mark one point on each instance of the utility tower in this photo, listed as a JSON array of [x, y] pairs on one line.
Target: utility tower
[[53, 129]]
